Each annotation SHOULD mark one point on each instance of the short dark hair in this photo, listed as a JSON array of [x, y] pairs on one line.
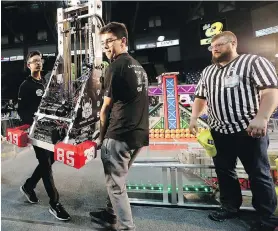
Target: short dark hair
[[33, 53], [116, 28]]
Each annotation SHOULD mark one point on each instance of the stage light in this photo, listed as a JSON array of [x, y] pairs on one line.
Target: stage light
[[160, 38]]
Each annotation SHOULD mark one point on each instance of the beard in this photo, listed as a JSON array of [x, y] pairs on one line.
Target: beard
[[224, 56]]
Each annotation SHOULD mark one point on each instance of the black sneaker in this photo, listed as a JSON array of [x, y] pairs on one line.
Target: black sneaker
[[222, 215], [261, 227], [104, 218], [59, 212], [29, 194]]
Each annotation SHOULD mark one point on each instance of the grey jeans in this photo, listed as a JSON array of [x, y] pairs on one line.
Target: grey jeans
[[116, 156]]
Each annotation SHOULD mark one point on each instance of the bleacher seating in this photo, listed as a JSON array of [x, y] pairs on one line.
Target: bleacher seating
[[191, 77], [9, 115]]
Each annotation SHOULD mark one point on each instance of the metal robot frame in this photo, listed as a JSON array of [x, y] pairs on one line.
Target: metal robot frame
[[69, 110]]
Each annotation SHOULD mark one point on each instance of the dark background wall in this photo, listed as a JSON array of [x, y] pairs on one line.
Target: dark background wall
[[178, 20]]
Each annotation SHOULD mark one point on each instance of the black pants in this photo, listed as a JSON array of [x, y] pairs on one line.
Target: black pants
[[44, 171], [252, 152]]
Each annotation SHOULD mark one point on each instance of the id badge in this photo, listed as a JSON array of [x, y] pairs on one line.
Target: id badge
[[231, 81]]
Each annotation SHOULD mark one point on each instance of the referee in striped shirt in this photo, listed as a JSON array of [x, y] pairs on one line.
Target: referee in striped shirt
[[241, 92]]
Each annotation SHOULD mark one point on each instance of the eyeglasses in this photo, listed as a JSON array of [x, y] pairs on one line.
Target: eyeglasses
[[107, 42], [210, 48], [37, 61]]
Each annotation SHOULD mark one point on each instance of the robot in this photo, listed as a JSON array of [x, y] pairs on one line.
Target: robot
[[67, 120]]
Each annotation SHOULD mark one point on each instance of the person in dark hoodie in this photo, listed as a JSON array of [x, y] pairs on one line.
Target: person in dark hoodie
[[29, 98]]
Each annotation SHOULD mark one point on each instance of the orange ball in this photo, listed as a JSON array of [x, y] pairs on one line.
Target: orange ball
[[161, 131], [156, 136], [173, 136], [156, 131], [173, 131], [178, 136], [167, 136], [152, 131], [182, 131], [182, 135], [187, 135], [167, 131], [187, 131], [178, 131], [161, 135]]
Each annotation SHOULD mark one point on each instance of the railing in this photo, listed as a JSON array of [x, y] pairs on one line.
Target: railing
[[9, 121], [188, 182], [273, 125], [172, 190]]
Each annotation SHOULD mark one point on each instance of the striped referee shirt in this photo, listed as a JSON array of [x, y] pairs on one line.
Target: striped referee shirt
[[232, 91]]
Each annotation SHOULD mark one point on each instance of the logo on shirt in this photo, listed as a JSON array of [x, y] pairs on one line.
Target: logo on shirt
[[142, 80], [87, 109], [39, 92]]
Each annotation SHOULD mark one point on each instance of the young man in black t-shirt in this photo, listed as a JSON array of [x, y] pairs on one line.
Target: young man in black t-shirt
[[126, 130], [29, 98]]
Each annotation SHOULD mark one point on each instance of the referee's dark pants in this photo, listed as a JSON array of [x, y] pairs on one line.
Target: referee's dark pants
[[252, 152], [44, 171]]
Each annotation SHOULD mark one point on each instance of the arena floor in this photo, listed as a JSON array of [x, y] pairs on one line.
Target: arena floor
[[82, 191]]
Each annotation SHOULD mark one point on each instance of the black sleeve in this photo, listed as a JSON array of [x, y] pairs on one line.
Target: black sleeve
[[23, 104], [108, 82], [136, 79], [124, 82]]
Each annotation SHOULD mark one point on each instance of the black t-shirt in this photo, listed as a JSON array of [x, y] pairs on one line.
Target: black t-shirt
[[29, 98], [126, 82]]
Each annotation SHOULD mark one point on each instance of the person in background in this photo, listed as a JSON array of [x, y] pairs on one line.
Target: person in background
[[241, 92], [29, 98]]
